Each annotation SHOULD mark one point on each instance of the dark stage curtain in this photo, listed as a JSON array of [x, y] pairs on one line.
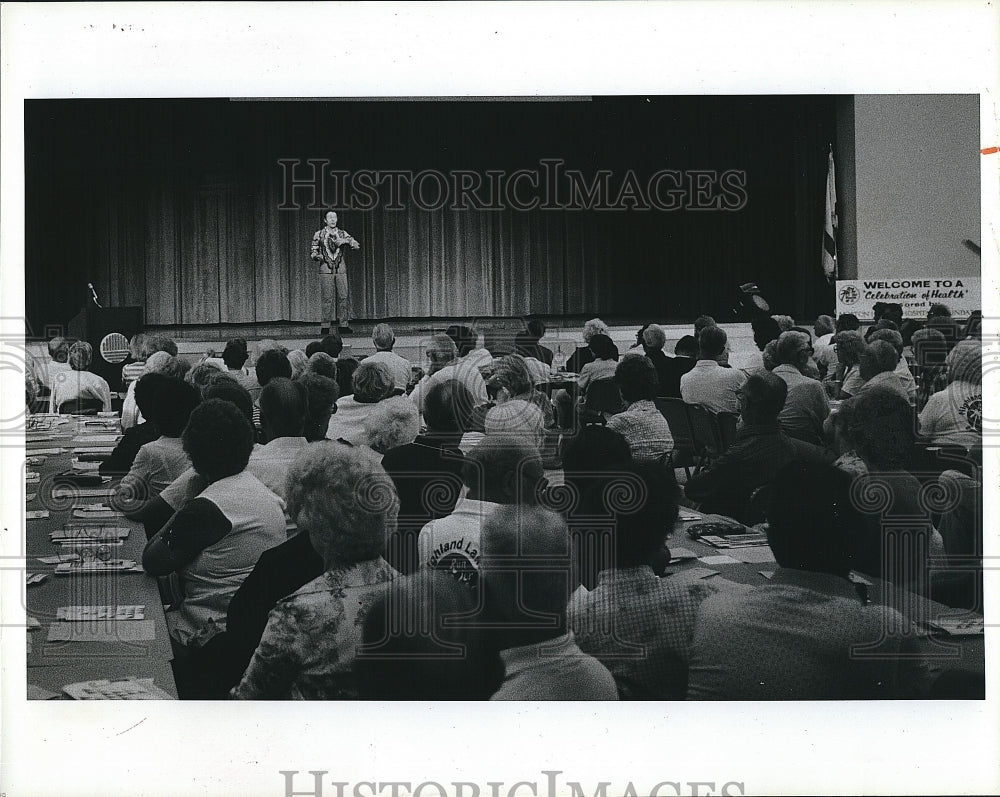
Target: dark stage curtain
[[177, 206]]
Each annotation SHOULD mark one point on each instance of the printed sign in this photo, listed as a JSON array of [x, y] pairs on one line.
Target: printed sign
[[961, 295]]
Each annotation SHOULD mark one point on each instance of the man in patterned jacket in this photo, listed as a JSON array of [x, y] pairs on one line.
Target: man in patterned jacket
[[328, 250]]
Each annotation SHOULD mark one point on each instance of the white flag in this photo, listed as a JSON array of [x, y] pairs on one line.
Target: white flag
[[830, 230]]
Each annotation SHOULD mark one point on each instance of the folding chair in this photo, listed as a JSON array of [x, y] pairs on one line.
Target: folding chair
[[686, 449], [601, 400]]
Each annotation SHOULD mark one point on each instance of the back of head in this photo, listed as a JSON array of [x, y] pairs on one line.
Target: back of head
[[687, 346], [653, 337], [642, 498], [891, 336], [201, 375], [812, 521], [883, 427], [323, 364], [603, 347], [298, 360], [172, 408], [218, 438], [148, 390], [792, 348], [946, 325], [893, 311], [965, 362], [848, 321], [536, 328], [769, 355], [235, 354], [765, 329], [938, 309], [823, 326], [908, 327], [233, 392], [594, 327], [372, 382], [283, 406], [383, 337], [80, 355], [332, 344], [929, 346], [391, 423], [463, 337], [504, 471], [636, 378], [762, 398], [516, 419], [175, 366], [594, 449], [878, 357], [270, 364], [785, 322], [849, 344], [712, 342], [312, 347], [511, 373], [448, 406], [346, 366], [441, 351], [702, 322], [321, 395], [136, 344], [155, 343], [59, 349]]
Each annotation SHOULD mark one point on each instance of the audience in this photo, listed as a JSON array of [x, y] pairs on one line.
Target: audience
[[298, 360], [525, 574], [877, 365], [371, 383], [383, 339], [323, 364], [136, 364], [392, 423], [954, 416], [930, 370], [526, 342], [641, 424], [846, 376], [669, 370], [466, 340], [58, 363], [902, 370], [321, 396], [78, 387], [806, 405], [283, 409], [584, 354], [603, 364], [443, 364], [343, 499], [708, 383], [760, 449], [700, 323], [235, 356], [806, 634]]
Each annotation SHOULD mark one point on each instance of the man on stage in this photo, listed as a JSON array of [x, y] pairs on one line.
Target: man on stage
[[327, 250]]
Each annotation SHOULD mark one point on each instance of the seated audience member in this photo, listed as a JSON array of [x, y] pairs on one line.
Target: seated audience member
[[134, 438], [516, 420], [765, 329], [235, 357], [784, 322], [847, 345], [760, 449], [806, 634], [79, 384], [769, 357], [346, 366], [669, 370], [825, 355], [298, 360], [511, 379], [343, 499], [635, 623], [930, 370], [708, 383], [496, 472], [973, 326], [806, 405], [58, 362], [525, 576], [602, 366], [168, 403], [947, 326], [898, 535], [371, 383], [641, 424], [160, 356], [810, 368], [877, 364], [902, 371], [527, 343], [214, 541], [686, 347], [136, 364], [824, 330], [323, 364], [584, 354], [321, 395], [392, 423], [201, 375], [383, 339], [312, 347], [700, 323], [906, 331], [954, 416], [332, 344], [414, 650], [283, 408], [271, 363], [443, 364], [466, 341], [843, 446]]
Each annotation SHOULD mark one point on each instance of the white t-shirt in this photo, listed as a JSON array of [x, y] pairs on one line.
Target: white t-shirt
[[954, 416]]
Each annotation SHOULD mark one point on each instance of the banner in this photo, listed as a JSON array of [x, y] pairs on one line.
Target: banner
[[961, 295]]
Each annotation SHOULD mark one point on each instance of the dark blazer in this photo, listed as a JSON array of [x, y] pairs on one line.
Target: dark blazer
[[669, 371]]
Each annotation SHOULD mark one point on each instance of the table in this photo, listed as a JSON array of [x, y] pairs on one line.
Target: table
[[52, 665]]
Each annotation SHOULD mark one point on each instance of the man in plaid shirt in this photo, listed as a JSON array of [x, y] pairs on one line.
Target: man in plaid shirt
[[328, 250]]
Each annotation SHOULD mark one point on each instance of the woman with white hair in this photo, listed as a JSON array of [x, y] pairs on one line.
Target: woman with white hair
[[391, 423], [343, 499], [298, 360], [954, 416], [584, 354], [371, 382], [78, 384], [519, 420]]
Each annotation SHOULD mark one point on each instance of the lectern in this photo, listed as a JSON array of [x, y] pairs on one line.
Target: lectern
[[98, 325]]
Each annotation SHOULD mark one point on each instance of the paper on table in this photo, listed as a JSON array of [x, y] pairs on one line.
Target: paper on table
[[103, 631], [36, 514], [682, 515], [59, 558], [698, 572], [69, 491], [766, 573], [124, 689], [30, 497], [760, 555], [680, 554], [720, 559], [44, 452], [94, 439], [85, 614]]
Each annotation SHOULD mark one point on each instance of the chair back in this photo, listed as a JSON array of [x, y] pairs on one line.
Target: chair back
[[727, 427], [81, 406], [706, 430], [675, 412]]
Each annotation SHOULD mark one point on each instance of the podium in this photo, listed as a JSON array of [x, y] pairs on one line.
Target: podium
[[97, 326]]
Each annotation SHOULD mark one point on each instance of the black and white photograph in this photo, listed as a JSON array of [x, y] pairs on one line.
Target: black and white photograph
[[387, 426]]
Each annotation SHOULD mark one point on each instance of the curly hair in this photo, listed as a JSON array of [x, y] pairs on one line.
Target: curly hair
[[965, 362], [80, 355], [218, 438], [272, 363], [636, 378], [511, 372], [391, 423], [654, 336], [594, 327], [344, 499], [323, 364], [849, 345]]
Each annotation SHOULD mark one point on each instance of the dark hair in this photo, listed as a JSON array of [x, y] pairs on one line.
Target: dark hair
[[603, 347], [235, 354], [332, 344], [232, 391], [593, 449], [312, 347], [882, 425], [764, 397], [878, 357], [847, 322], [321, 395], [907, 328], [812, 522], [641, 525], [687, 346], [173, 405], [371, 382], [448, 406], [283, 406], [702, 322], [218, 438], [463, 337], [346, 366], [147, 392], [536, 328], [938, 309], [272, 363], [636, 378], [155, 343], [711, 342], [765, 329]]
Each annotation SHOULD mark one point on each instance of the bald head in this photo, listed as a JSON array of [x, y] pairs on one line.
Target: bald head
[[283, 408]]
